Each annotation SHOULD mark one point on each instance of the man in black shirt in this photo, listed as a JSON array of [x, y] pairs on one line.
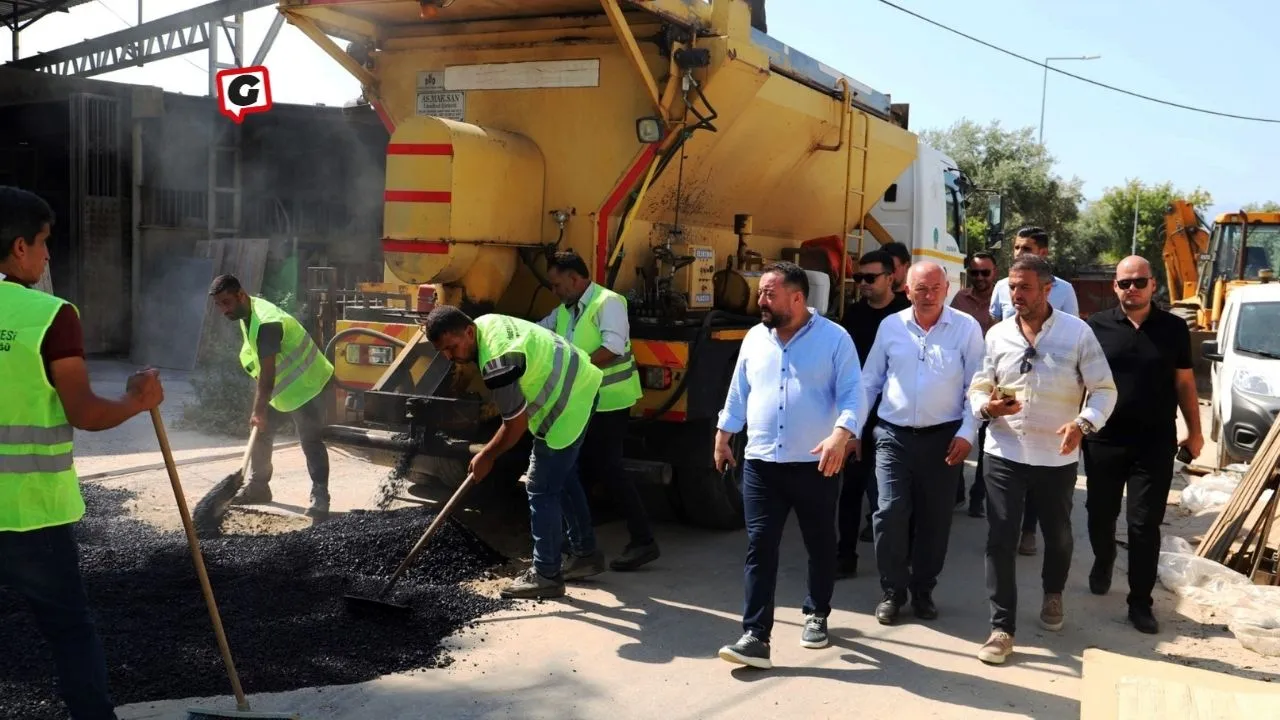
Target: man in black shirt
[[1149, 351], [862, 320], [901, 255]]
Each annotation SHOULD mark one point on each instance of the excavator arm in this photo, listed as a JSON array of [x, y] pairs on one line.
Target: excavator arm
[[1185, 240]]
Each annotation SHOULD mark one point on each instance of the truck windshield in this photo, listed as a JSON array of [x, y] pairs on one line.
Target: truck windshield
[[1262, 251], [1257, 329]]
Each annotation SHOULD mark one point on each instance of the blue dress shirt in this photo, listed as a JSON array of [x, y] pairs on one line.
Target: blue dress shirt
[[790, 397], [1062, 296], [923, 378]]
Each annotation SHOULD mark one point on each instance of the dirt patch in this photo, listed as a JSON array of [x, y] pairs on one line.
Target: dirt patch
[[246, 521]]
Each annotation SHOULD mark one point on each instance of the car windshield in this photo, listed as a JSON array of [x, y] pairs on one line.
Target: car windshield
[[1257, 333]]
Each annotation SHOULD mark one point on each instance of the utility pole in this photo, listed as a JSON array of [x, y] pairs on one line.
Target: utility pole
[[1137, 195], [1044, 89]]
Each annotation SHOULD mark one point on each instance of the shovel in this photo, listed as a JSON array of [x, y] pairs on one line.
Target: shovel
[[377, 605], [207, 514]]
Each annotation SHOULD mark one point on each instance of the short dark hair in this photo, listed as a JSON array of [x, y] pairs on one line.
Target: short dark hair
[[23, 214], [877, 256], [225, 283], [981, 255], [445, 319], [792, 274], [1035, 264], [569, 261], [898, 251], [1037, 234]]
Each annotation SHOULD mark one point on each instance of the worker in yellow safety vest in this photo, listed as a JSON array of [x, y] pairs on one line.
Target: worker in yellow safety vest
[[594, 319], [45, 391], [542, 384], [292, 374]]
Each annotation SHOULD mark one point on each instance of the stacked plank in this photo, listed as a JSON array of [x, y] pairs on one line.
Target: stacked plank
[[1241, 537]]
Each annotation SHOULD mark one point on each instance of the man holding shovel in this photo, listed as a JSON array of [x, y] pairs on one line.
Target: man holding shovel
[[45, 385], [292, 374], [543, 384]]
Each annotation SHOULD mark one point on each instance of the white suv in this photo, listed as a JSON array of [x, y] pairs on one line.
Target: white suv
[[1245, 371]]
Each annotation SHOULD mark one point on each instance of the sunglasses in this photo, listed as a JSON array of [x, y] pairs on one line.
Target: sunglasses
[[1027, 354], [973, 272], [1140, 283], [867, 278]]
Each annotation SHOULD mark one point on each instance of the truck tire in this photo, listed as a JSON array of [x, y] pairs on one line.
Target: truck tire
[[708, 499]]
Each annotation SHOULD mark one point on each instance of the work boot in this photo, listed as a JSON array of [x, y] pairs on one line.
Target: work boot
[[1052, 616], [254, 493], [633, 556], [577, 568], [319, 509], [532, 585], [923, 606], [1027, 546], [749, 650]]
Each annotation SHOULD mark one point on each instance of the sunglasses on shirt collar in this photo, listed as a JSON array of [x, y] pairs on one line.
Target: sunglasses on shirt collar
[[1027, 355]]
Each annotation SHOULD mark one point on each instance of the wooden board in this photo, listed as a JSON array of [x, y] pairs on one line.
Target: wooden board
[[1117, 687], [1231, 523]]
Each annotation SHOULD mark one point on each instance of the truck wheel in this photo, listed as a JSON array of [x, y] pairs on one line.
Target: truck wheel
[[708, 499]]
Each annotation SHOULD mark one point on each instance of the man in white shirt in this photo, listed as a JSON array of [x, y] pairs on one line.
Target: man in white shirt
[[1039, 367], [920, 366], [1032, 240]]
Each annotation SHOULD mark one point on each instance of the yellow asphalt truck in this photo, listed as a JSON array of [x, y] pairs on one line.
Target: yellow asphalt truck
[[670, 143]]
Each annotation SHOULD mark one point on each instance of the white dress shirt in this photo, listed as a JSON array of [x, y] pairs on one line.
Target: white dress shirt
[[922, 377], [613, 323], [1068, 367]]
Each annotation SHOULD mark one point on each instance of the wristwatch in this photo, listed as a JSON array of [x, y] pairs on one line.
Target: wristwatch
[[1086, 427]]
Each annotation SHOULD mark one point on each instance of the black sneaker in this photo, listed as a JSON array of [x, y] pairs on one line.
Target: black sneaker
[[633, 556], [749, 650], [922, 605], [1144, 620], [1100, 578], [976, 510], [887, 610], [815, 632]]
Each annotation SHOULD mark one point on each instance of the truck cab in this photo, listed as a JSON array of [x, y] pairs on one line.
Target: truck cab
[[1245, 372]]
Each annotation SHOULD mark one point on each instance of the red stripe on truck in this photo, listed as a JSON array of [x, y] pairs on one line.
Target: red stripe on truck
[[418, 196], [420, 149], [619, 192], [415, 246]]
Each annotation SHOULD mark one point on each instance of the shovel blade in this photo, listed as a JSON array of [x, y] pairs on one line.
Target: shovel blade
[[373, 607]]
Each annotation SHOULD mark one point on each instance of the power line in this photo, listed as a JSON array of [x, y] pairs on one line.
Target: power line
[[1113, 88]]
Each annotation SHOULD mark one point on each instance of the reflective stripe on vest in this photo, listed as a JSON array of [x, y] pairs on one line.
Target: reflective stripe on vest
[[557, 374], [38, 483], [620, 387], [302, 371], [310, 352]]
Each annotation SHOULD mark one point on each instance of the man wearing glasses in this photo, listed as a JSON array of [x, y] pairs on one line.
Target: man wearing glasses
[[1040, 365], [920, 366], [1032, 240], [1149, 351], [975, 301], [862, 319]]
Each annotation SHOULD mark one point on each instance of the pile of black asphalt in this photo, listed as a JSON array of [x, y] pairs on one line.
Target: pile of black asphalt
[[280, 598]]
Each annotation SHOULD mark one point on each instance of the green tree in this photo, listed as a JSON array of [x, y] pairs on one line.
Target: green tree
[[1269, 206], [1106, 226], [1012, 163]]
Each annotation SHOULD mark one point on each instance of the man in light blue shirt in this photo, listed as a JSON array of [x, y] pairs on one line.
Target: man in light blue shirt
[[796, 390], [1062, 296], [1032, 241], [920, 365]]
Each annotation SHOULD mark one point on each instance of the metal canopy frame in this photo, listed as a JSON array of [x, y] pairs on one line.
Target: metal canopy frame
[[18, 15]]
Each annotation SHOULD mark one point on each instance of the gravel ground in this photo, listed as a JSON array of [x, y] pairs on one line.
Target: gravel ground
[[280, 597]]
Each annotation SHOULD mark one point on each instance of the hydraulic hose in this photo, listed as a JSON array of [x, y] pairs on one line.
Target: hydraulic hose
[[328, 349]]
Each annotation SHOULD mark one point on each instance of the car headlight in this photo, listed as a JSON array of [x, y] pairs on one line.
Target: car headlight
[[1255, 384]]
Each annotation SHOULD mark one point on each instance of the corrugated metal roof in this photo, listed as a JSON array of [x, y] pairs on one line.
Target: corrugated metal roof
[[30, 10]]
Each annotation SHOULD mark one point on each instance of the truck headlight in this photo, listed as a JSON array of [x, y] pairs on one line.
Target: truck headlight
[[381, 354], [1255, 384]]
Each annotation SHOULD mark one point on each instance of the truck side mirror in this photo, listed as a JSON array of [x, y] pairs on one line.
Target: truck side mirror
[[1209, 351], [995, 221]]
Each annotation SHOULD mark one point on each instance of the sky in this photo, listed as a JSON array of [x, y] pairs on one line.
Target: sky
[[1210, 55]]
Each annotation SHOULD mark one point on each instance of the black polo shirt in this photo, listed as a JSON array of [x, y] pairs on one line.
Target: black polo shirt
[[1144, 362], [862, 321]]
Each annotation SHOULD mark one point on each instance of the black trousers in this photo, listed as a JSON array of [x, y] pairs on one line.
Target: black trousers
[[914, 482], [1012, 487], [309, 422], [1146, 470], [43, 567], [978, 490], [601, 460], [769, 493], [859, 480]]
